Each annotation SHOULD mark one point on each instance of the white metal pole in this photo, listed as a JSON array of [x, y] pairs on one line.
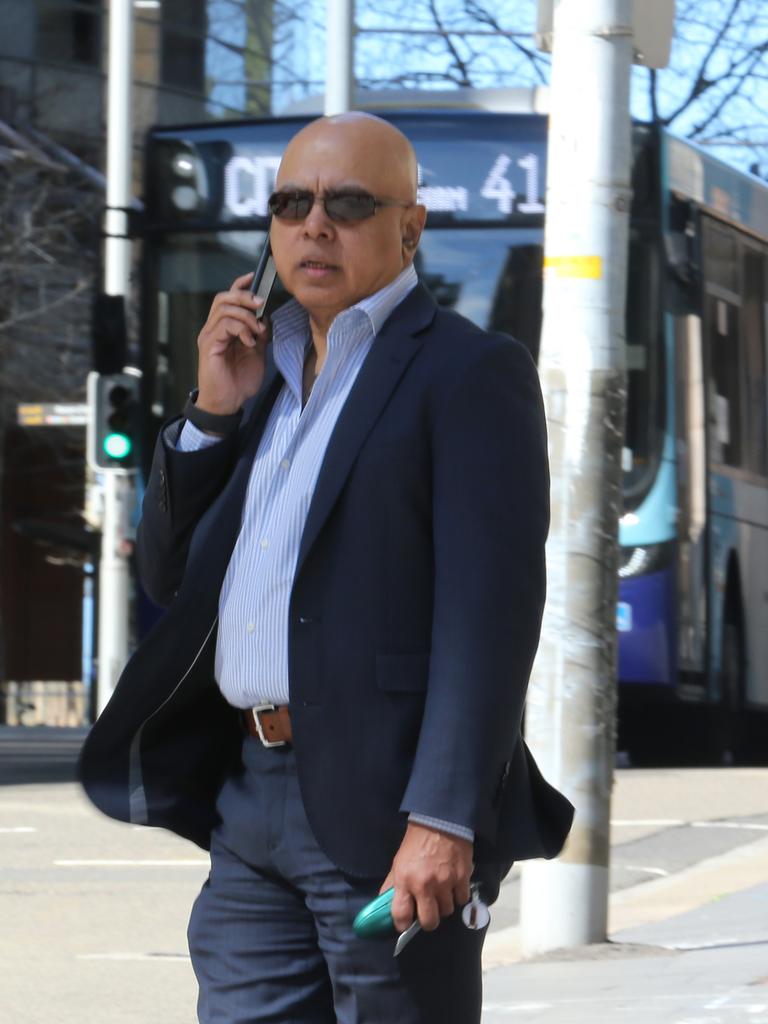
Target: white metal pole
[[117, 255], [570, 715], [117, 487], [339, 56], [113, 585]]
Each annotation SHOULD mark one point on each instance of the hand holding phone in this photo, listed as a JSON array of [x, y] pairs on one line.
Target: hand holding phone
[[232, 344]]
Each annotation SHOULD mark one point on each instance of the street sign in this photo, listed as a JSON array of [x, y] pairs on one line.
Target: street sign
[[52, 414], [653, 24]]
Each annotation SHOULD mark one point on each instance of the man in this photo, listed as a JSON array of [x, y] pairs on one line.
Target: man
[[357, 538]]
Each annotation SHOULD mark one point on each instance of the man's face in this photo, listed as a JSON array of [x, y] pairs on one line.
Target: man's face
[[328, 265]]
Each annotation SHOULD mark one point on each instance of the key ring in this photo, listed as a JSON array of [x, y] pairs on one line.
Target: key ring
[[475, 914]]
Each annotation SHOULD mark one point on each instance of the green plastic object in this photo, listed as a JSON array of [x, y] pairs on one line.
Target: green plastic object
[[376, 917]]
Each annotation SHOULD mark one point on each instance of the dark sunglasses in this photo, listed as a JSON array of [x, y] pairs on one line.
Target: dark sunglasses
[[342, 207]]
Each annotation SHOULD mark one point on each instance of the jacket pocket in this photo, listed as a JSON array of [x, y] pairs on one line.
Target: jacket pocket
[[402, 673]]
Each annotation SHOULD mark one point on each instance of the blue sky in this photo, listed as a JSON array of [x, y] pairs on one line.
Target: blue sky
[[396, 46]]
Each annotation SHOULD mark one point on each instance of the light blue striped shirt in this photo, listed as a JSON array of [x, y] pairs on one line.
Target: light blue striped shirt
[[252, 645]]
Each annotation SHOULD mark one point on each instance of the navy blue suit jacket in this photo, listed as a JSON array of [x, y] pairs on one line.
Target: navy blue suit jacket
[[414, 615]]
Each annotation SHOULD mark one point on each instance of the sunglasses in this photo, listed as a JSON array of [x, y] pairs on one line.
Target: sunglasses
[[342, 207]]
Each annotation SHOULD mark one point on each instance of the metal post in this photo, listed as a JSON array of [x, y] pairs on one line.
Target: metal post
[[113, 575], [117, 487], [117, 253], [339, 56], [571, 706]]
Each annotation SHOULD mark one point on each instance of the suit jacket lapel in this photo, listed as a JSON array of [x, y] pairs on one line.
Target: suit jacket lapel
[[392, 351]]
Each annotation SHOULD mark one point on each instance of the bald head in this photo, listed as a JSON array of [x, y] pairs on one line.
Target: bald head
[[369, 143], [329, 262]]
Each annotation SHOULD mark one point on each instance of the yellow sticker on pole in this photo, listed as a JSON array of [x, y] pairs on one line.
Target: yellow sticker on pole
[[574, 266]]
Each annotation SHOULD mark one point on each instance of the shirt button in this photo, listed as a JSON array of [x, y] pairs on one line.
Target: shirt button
[[264, 542], [250, 627], [285, 464]]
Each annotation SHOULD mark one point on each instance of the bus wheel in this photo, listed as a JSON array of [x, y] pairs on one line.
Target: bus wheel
[[731, 689]]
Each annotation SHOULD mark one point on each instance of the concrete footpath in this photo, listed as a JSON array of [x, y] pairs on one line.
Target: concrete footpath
[[686, 949]]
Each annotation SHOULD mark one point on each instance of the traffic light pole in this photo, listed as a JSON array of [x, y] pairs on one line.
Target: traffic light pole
[[339, 56], [117, 249], [113, 584], [117, 486]]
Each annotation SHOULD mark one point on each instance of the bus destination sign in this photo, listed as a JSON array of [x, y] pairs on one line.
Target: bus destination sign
[[492, 172], [512, 184]]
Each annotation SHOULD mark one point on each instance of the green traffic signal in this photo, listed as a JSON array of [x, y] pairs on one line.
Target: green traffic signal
[[114, 399], [117, 446]]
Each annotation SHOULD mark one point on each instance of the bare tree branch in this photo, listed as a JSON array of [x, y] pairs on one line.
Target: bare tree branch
[[459, 64], [483, 16], [701, 83], [47, 307], [738, 84], [719, 60], [654, 95]]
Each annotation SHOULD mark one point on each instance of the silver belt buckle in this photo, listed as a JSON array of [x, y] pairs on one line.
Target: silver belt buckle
[[255, 712]]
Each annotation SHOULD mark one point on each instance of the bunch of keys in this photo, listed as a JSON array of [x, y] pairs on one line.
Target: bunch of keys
[[376, 917]]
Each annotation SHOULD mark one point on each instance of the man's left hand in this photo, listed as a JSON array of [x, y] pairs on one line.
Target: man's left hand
[[430, 873]]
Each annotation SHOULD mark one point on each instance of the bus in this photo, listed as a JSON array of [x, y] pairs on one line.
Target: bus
[[692, 612]]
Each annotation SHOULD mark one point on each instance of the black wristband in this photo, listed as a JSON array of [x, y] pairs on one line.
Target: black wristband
[[209, 421]]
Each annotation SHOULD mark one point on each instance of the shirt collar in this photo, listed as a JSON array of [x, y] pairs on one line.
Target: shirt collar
[[378, 306], [290, 324]]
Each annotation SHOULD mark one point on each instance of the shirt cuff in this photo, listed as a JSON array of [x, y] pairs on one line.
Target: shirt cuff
[[461, 831], [191, 439]]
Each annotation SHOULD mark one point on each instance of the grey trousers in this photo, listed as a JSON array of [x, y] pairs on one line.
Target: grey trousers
[[271, 936]]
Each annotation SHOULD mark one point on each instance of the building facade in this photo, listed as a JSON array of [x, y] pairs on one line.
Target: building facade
[[193, 60]]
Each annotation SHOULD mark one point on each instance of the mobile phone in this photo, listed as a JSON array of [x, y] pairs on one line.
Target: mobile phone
[[264, 280], [376, 917]]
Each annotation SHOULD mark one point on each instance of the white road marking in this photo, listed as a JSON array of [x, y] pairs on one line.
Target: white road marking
[[650, 871], [19, 828], [629, 822], [515, 1007], [627, 999], [676, 822], [717, 1004], [731, 1000], [153, 957], [699, 1020], [692, 947], [105, 863], [756, 827]]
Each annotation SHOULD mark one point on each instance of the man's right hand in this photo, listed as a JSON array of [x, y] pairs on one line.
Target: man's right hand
[[231, 350]]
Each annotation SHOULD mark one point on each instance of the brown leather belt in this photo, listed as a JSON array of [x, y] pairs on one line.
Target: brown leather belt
[[269, 723]]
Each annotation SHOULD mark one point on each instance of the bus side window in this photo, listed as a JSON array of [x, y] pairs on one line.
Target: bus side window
[[753, 327], [725, 412]]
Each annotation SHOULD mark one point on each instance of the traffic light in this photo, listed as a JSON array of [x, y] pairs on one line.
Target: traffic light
[[114, 401], [108, 333]]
